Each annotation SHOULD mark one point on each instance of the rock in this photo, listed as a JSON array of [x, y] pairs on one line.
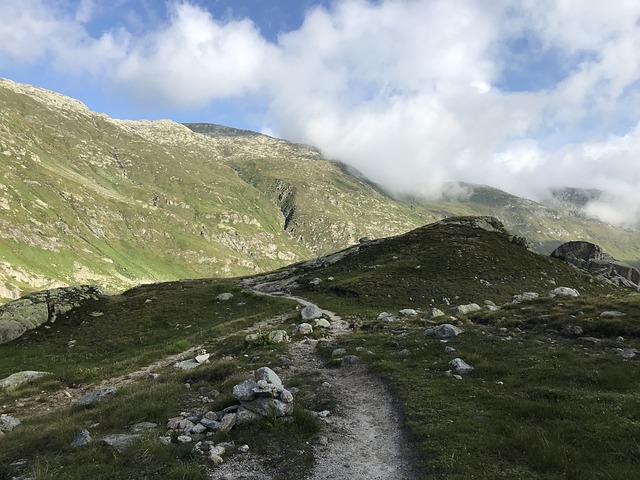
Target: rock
[[449, 349], [81, 439], [322, 323], [198, 428], [564, 292], [244, 391], [228, 422], [269, 407], [349, 360], [286, 396], [573, 330], [445, 330], [269, 376], [97, 396], [338, 352], [243, 448], [152, 377], [304, 329], [279, 336], [434, 313], [215, 459], [626, 352], [524, 297], [245, 415], [612, 314], [465, 309], [8, 423], [310, 312], [186, 364], [316, 281], [460, 366], [143, 427], [408, 312], [223, 297], [492, 308], [384, 316], [210, 424], [41, 307], [202, 358], [592, 258], [184, 439], [121, 441], [21, 378]]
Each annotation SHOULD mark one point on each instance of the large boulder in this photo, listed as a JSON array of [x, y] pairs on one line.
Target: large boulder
[[592, 258], [33, 310], [17, 379]]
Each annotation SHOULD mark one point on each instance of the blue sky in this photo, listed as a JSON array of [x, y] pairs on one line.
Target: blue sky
[[519, 94]]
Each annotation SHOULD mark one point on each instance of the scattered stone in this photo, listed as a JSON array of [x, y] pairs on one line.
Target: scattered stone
[[151, 377], [408, 312], [485, 283], [626, 352], [304, 329], [449, 349], [460, 366], [322, 323], [316, 281], [465, 309], [524, 297], [21, 378], [202, 358], [82, 438], [384, 316], [489, 303], [227, 423], [338, 352], [184, 439], [310, 312], [612, 314], [445, 330], [564, 292], [120, 441], [243, 448], [492, 308], [224, 297], [434, 313], [8, 423], [457, 377], [573, 330], [97, 396]]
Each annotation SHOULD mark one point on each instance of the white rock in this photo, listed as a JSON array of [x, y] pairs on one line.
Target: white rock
[[224, 296], [310, 312], [460, 366], [564, 292], [304, 329]]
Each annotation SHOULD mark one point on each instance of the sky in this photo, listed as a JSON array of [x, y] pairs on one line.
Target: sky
[[522, 95]]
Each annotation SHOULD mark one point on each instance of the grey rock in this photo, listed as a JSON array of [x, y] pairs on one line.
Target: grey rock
[[449, 349], [316, 281], [97, 396], [184, 439], [465, 309], [338, 352], [21, 378], [304, 329], [224, 297], [310, 312], [626, 352], [202, 358], [384, 315], [492, 308], [460, 366], [445, 330], [268, 375], [322, 323], [612, 314], [244, 415], [573, 330], [198, 428], [120, 441], [279, 336], [564, 292], [434, 313], [244, 391], [186, 364], [524, 297], [210, 424], [81, 439], [8, 423], [269, 407], [408, 312], [228, 422], [286, 396], [243, 448]]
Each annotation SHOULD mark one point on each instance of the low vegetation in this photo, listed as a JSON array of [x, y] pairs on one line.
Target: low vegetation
[[552, 394]]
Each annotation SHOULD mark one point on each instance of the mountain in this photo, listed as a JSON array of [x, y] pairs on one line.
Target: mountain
[[89, 199], [413, 356]]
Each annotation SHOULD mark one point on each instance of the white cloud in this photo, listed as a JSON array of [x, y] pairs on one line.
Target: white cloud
[[411, 92]]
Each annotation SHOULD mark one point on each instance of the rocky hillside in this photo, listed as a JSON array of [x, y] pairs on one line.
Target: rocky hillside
[[88, 199]]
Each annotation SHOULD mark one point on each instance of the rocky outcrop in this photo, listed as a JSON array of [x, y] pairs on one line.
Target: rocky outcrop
[[592, 258], [33, 310]]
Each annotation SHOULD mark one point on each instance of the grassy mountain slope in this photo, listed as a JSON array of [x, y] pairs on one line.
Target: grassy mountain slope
[[542, 403], [88, 199]]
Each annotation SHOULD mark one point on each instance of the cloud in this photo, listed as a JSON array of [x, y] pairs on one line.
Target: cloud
[[522, 95]]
